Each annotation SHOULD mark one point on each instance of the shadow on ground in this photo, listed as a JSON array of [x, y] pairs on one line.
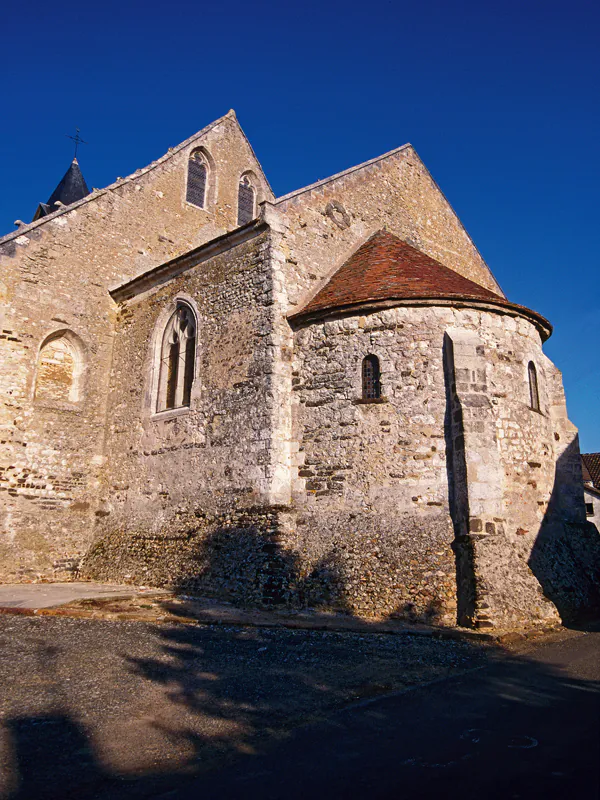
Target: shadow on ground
[[130, 710]]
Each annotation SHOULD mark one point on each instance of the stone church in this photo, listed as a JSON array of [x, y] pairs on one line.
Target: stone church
[[318, 400]]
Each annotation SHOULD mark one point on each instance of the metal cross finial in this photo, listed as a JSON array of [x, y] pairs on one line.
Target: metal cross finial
[[77, 139]]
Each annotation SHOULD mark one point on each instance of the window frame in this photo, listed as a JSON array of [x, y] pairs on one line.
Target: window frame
[[251, 183], [78, 351], [534, 387], [198, 155], [377, 394], [589, 509], [153, 403]]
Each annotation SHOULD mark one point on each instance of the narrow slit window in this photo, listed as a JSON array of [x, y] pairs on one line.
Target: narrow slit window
[[534, 395], [371, 378], [178, 358], [245, 201], [196, 182]]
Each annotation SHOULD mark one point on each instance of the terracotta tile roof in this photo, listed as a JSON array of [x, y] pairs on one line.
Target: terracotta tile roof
[[590, 464], [387, 268]]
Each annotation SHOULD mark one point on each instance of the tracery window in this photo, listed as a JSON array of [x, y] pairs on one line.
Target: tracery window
[[197, 179], [178, 357], [371, 378], [246, 197], [534, 396]]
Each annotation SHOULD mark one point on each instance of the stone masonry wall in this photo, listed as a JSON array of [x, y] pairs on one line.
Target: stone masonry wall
[[54, 277], [373, 489], [167, 470], [326, 224]]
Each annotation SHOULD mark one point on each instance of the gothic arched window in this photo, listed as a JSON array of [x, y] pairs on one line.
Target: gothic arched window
[[371, 378], [246, 195], [534, 396], [197, 179], [177, 359]]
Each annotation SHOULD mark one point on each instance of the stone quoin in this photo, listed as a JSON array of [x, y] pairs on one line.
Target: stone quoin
[[321, 400]]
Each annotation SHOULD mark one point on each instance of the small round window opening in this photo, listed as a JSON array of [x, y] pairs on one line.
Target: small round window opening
[[371, 378]]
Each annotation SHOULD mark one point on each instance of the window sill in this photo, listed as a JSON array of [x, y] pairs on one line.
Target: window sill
[[360, 401], [170, 413], [57, 405]]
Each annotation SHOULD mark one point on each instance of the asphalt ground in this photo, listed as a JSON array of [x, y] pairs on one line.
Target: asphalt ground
[[92, 708], [523, 726], [103, 709]]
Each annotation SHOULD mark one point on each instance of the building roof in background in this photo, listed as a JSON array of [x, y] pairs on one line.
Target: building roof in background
[[590, 464]]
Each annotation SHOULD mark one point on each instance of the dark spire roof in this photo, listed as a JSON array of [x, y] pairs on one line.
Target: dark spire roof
[[71, 188]]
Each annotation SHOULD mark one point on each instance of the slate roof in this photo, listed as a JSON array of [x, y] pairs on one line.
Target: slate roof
[[590, 464], [71, 188], [386, 268]]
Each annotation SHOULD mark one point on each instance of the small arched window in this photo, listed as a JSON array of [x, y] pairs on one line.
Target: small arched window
[[197, 180], [534, 396], [371, 378], [246, 197], [59, 369], [177, 359]]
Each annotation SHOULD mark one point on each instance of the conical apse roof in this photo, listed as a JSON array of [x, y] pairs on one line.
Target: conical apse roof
[[386, 270]]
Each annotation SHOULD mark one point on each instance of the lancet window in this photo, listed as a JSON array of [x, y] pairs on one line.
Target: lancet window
[[197, 179], [178, 357], [59, 369], [246, 201], [534, 395]]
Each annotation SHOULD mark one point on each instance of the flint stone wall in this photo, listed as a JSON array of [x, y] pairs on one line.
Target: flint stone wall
[[373, 479], [400, 507], [216, 454]]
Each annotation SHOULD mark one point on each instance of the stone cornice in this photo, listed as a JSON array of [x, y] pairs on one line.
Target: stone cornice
[[170, 269], [372, 306]]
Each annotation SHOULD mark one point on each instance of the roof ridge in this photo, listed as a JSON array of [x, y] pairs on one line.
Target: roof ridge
[[341, 174], [232, 113], [95, 193]]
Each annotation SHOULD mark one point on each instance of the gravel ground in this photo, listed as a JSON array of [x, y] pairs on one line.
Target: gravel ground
[[98, 709]]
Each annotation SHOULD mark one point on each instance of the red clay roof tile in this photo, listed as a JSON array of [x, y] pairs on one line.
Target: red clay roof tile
[[387, 268], [591, 466]]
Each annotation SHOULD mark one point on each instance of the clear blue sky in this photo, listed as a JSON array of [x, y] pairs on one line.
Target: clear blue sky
[[500, 99]]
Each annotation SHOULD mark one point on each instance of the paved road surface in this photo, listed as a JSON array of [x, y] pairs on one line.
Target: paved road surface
[[48, 595], [124, 710], [523, 727], [98, 708]]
